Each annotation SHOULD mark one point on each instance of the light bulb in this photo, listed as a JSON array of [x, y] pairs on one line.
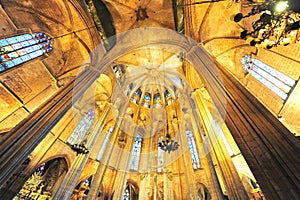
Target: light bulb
[[281, 6]]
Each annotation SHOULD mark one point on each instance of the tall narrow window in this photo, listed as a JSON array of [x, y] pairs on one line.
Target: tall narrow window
[[136, 152], [119, 70], [131, 192], [279, 83], [193, 150], [105, 143], [160, 158], [19, 49], [82, 128], [126, 193]]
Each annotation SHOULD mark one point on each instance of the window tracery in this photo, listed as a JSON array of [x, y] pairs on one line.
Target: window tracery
[[20, 49], [136, 152], [119, 70], [82, 128], [193, 150], [279, 83]]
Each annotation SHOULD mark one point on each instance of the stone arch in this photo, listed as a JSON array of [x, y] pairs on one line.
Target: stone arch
[[45, 180], [82, 188], [66, 158], [202, 192], [106, 19], [132, 186]]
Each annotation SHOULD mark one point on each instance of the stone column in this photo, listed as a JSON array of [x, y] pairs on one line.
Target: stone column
[[188, 166], [231, 179], [100, 173], [67, 187], [145, 186], [168, 183], [205, 157]]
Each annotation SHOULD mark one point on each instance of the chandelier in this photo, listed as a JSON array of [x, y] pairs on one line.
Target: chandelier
[[278, 23], [79, 148], [168, 144]]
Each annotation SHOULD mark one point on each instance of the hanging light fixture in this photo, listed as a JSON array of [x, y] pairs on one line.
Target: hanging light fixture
[[79, 148], [278, 23], [167, 144]]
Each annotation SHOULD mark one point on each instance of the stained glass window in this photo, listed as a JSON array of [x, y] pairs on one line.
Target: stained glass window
[[119, 70], [147, 96], [19, 49], [82, 128], [126, 195], [160, 158], [105, 142], [136, 152], [40, 170], [279, 83], [193, 150], [130, 192], [168, 94], [82, 189], [136, 96]]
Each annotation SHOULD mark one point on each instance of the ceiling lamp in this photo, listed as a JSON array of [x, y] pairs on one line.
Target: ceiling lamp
[[79, 148], [278, 24], [168, 144]]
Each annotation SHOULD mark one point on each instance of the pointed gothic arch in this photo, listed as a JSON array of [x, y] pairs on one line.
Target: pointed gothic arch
[[45, 179]]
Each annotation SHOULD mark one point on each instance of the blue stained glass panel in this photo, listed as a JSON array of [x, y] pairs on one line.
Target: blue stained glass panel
[[17, 61], [2, 68], [3, 43], [33, 41], [273, 80], [9, 64], [26, 57], [193, 150], [274, 72], [36, 53], [137, 93], [25, 44], [147, 97], [168, 94], [19, 49], [279, 92], [11, 40], [136, 151], [28, 36], [157, 97], [276, 81], [49, 49], [121, 68], [22, 38]]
